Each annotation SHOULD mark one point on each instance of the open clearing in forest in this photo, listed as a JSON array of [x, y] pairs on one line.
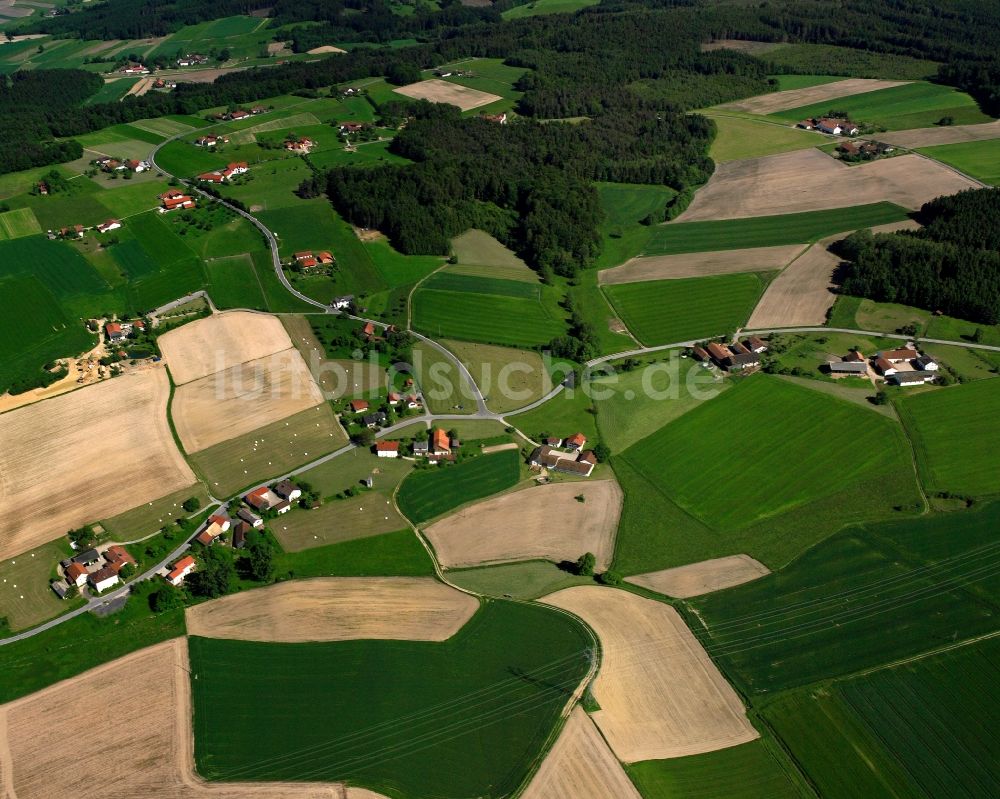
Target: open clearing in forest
[[794, 98], [945, 134], [478, 253], [243, 398], [580, 766], [337, 609], [146, 752], [810, 180], [538, 522], [696, 579], [802, 294], [220, 342], [659, 692], [51, 450], [700, 264], [441, 91]]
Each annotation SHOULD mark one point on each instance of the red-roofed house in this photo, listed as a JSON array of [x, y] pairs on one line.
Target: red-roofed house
[[325, 257], [351, 127], [211, 177], [111, 224], [239, 113], [181, 569], [114, 331], [308, 263], [235, 168], [387, 449], [394, 398], [440, 442], [575, 441], [368, 330], [302, 256], [117, 557], [181, 201], [301, 145], [171, 193], [76, 574]]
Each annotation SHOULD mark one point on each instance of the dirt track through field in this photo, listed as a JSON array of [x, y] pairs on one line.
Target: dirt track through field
[[84, 456], [949, 134], [239, 400], [660, 694], [696, 579], [802, 294], [140, 87], [441, 91], [580, 766], [119, 731], [221, 341], [810, 180], [544, 521], [793, 98], [699, 264], [337, 609]]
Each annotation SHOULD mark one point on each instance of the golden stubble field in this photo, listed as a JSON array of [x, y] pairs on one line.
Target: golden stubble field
[[580, 766], [703, 577], [337, 609], [441, 91], [660, 694], [538, 522], [793, 98], [700, 264], [811, 180], [120, 731], [84, 456]]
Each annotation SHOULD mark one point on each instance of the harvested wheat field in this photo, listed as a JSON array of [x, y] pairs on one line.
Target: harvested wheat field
[[580, 766], [544, 521], [793, 98], [660, 694], [221, 341], [337, 609], [948, 134], [441, 91], [803, 293], [61, 459], [696, 579], [326, 48], [810, 180], [141, 747], [243, 398], [699, 264]]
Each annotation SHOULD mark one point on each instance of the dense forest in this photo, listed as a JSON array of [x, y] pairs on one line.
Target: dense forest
[[951, 265]]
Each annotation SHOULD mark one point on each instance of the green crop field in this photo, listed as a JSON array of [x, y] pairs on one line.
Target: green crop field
[[233, 283], [169, 125], [18, 223], [273, 184], [949, 429], [529, 579], [912, 105], [181, 157], [237, 463], [431, 492], [568, 412], [931, 581], [768, 231], [490, 310], [443, 388], [478, 253], [668, 311], [25, 596], [633, 405], [627, 203], [399, 728], [133, 259], [738, 137], [911, 730], [399, 553], [539, 7], [748, 771], [509, 378], [397, 269], [768, 446], [131, 200], [981, 159]]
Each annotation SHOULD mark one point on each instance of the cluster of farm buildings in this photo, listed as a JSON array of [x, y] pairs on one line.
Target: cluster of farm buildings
[[736, 357], [833, 127], [97, 570], [361, 409], [564, 455], [437, 448], [307, 259], [903, 367], [239, 113], [107, 164], [173, 199], [77, 231], [223, 175]]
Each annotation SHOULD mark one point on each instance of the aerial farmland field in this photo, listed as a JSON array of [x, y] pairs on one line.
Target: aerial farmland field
[[430, 493], [948, 429], [18, 223], [448, 755], [668, 311], [981, 159]]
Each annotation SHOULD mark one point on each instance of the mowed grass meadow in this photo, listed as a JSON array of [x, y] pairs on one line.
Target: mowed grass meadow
[[491, 310], [929, 581], [917, 729], [981, 159], [430, 492], [762, 448], [953, 432], [740, 137], [464, 717], [668, 311], [768, 231], [912, 105]]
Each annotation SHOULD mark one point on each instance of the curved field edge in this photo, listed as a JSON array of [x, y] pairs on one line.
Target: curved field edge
[[512, 669]]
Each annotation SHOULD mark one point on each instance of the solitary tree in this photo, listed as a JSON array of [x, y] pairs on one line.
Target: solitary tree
[[585, 565]]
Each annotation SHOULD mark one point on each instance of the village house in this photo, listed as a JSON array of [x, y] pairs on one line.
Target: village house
[[855, 355], [394, 398], [575, 441], [111, 224], [358, 405], [287, 490], [440, 442], [211, 140], [421, 449], [240, 534], [136, 166], [180, 570], [884, 367], [211, 177], [173, 199], [925, 364], [836, 127], [299, 145], [134, 69], [387, 449], [341, 303], [756, 345], [114, 331], [368, 331], [75, 232], [192, 59], [117, 557], [412, 402], [247, 516], [700, 353], [262, 498], [373, 420], [553, 441], [61, 588], [352, 127], [282, 507], [103, 579], [237, 115], [846, 367], [235, 168], [76, 574], [913, 378], [739, 361], [86, 558], [900, 355], [546, 457]]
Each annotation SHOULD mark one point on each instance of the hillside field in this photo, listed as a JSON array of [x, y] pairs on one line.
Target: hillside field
[[740, 137], [949, 429], [259, 728], [768, 231], [980, 159], [668, 311], [439, 489]]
